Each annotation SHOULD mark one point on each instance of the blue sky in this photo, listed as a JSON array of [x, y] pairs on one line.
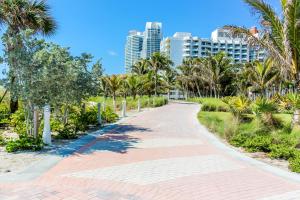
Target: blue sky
[[100, 27]]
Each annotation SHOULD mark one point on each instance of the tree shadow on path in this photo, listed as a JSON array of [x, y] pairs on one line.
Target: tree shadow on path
[[117, 140]]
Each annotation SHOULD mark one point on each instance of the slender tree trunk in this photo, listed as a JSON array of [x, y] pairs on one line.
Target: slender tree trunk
[[35, 122], [155, 84]]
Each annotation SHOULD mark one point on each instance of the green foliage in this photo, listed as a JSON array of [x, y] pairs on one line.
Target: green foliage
[[238, 106], [295, 162], [109, 116], [260, 143], [263, 110], [68, 131], [18, 122], [280, 151], [82, 119], [4, 114], [216, 121], [25, 143], [211, 104], [159, 101], [2, 140]]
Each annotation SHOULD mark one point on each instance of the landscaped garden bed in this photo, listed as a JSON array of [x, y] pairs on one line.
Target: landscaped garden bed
[[257, 128]]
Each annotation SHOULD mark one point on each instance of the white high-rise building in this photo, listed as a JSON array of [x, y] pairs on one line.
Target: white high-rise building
[[184, 45], [133, 48], [152, 39]]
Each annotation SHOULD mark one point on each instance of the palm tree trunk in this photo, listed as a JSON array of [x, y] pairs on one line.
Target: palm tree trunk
[[155, 84]]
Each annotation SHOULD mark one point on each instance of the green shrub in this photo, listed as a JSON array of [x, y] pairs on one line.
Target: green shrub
[[2, 141], [68, 131], [81, 120], [159, 101], [258, 143], [56, 125], [238, 140], [279, 151], [18, 122], [208, 107], [25, 143], [295, 162], [4, 113], [109, 116]]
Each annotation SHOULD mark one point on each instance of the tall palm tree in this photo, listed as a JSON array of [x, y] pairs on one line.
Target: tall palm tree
[[141, 67], [280, 35], [184, 78], [169, 79], [262, 75], [19, 15], [158, 62], [215, 69], [134, 85], [113, 83]]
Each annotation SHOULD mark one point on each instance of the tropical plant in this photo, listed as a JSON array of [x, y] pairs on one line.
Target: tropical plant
[[18, 16], [238, 106], [280, 35], [263, 109], [134, 85], [169, 80], [262, 75], [141, 67], [215, 69], [158, 62]]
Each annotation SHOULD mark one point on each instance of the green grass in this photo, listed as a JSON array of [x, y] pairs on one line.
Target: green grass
[[217, 122]]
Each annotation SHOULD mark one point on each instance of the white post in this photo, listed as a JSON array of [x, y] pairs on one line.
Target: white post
[[103, 106], [47, 130], [114, 105], [124, 109], [139, 105], [99, 114]]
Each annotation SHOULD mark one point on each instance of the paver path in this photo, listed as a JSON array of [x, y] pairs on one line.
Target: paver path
[[160, 154]]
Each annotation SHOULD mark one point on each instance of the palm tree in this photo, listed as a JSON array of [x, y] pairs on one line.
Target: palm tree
[[215, 69], [134, 85], [19, 15], [184, 78], [141, 67], [113, 83], [157, 63], [262, 75], [169, 79], [280, 35]]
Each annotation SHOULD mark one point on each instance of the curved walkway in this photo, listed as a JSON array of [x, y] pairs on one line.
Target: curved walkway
[[159, 154]]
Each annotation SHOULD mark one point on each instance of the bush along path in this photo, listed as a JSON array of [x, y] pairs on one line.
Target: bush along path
[[259, 126], [72, 122]]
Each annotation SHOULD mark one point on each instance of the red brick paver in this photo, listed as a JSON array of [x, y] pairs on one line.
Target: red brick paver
[[160, 155]]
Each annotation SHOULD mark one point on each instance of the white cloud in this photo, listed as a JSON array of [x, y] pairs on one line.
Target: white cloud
[[112, 53]]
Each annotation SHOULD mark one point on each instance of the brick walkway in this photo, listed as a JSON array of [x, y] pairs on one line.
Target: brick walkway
[[160, 154]]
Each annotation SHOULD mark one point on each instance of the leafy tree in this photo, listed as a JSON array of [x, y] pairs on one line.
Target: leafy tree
[[169, 80], [215, 69], [280, 36], [134, 84], [113, 84], [17, 16]]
